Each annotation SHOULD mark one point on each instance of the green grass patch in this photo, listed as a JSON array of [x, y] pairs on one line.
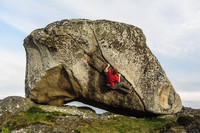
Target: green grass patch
[[120, 124], [5, 130], [34, 115], [125, 124]]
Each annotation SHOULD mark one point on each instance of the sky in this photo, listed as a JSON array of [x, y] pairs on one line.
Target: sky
[[172, 30]]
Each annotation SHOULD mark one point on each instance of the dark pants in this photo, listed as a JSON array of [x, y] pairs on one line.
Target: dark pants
[[121, 86]]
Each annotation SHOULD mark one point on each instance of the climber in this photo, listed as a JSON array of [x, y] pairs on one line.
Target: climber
[[113, 81]]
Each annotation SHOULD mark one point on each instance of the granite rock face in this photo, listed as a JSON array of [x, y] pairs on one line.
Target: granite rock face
[[66, 59]]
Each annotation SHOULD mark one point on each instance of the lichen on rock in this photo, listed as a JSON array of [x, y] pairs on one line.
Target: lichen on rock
[[66, 59], [12, 105], [22, 115]]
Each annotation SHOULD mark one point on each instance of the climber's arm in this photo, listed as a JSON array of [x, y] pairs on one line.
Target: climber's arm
[[119, 75], [106, 69]]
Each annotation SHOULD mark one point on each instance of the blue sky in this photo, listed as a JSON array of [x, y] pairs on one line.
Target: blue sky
[[172, 29]]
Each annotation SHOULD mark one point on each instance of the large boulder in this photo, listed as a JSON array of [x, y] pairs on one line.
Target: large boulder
[[66, 59]]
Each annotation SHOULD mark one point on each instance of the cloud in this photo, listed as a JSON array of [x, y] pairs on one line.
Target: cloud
[[187, 85], [174, 29], [12, 74], [171, 27], [190, 99], [14, 15], [185, 81], [79, 104], [29, 15], [190, 96], [191, 104]]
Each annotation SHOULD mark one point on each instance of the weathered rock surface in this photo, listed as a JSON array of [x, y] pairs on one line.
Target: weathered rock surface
[[68, 120], [66, 59], [10, 106], [188, 121], [72, 119]]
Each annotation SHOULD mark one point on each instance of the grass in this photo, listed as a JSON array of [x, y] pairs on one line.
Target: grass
[[125, 124], [34, 115], [120, 124], [5, 130]]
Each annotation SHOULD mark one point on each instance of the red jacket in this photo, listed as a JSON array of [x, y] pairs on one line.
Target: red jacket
[[111, 78]]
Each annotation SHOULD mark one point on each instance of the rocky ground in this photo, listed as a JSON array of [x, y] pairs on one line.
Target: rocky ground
[[44, 118], [188, 120]]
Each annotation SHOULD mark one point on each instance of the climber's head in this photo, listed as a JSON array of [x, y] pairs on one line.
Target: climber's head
[[115, 71]]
